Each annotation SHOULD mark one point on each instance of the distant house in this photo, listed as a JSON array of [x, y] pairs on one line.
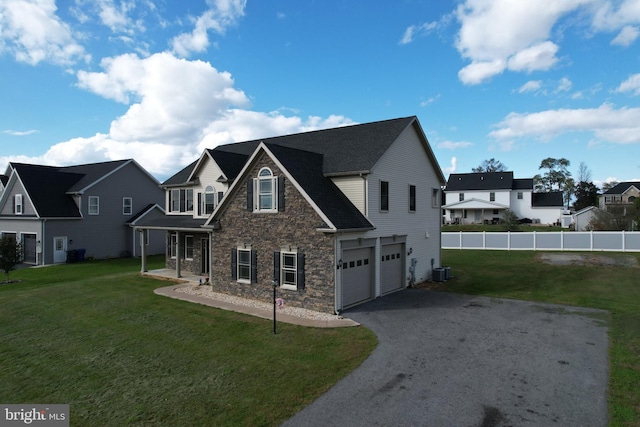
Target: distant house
[[79, 210], [482, 198], [620, 197], [582, 218], [332, 218]]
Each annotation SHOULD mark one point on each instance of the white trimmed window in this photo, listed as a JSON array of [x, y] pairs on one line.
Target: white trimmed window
[[384, 196], [188, 247], [520, 195], [127, 205], [173, 246], [266, 191], [208, 204], [17, 204], [412, 198], [288, 269], [181, 200], [243, 265], [94, 205]]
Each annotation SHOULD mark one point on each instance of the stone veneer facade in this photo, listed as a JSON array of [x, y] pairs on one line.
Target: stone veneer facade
[[271, 232]]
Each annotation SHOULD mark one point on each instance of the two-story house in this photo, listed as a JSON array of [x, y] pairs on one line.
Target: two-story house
[[332, 218], [87, 210], [620, 197], [482, 198]]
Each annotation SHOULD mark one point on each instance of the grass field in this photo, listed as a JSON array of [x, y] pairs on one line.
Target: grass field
[[94, 335], [522, 275]]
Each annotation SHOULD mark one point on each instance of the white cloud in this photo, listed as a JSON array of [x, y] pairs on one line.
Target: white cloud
[[451, 145], [564, 85], [221, 15], [541, 56], [453, 166], [178, 107], [480, 71], [632, 84], [530, 86], [626, 36], [19, 133], [417, 30], [32, 32], [607, 18], [619, 126]]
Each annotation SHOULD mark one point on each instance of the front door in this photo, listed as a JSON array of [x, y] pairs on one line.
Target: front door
[[59, 249], [29, 248], [205, 256]]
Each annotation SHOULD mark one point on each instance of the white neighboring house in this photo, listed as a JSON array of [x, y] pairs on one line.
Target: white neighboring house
[[482, 198]]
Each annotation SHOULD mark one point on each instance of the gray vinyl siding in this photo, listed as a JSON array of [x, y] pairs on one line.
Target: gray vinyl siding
[[406, 163], [107, 235], [27, 207]]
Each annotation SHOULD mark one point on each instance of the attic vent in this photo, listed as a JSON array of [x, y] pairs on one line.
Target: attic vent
[[482, 178]]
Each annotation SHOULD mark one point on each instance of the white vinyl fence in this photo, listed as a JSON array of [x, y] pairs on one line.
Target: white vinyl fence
[[613, 241]]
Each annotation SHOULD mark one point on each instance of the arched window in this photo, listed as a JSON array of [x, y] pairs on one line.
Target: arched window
[[209, 199], [266, 190]]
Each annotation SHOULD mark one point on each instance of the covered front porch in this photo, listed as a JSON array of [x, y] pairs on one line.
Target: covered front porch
[[187, 251], [474, 211]]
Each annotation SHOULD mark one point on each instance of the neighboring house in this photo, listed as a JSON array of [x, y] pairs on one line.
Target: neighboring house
[[3, 182], [620, 197], [332, 218], [482, 198], [582, 218], [83, 209]]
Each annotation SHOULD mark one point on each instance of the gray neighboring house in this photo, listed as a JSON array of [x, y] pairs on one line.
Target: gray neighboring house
[[88, 210], [333, 217]]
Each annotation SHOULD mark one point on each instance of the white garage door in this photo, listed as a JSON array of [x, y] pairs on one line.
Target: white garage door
[[357, 276], [391, 267]]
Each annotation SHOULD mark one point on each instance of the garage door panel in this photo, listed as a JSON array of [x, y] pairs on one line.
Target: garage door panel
[[357, 276], [391, 267]]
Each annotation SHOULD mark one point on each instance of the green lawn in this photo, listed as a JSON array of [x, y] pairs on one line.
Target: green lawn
[[521, 275], [95, 336]]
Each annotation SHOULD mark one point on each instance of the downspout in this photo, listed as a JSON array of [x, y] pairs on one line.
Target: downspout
[[42, 242], [338, 285]]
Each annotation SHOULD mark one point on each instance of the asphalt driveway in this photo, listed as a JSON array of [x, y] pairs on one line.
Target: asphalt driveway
[[455, 360]]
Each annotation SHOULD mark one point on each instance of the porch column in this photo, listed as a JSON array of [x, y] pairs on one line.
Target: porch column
[[178, 251], [210, 261], [143, 250]]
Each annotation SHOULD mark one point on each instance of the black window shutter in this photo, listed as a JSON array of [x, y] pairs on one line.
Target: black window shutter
[[300, 272], [183, 200], [199, 204], [234, 264], [254, 266], [276, 267], [250, 194], [281, 194]]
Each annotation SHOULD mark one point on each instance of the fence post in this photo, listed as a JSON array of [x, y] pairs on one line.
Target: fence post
[[535, 241], [561, 240], [484, 240]]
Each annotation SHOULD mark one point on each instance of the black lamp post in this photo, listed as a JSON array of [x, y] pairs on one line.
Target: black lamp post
[[274, 283]]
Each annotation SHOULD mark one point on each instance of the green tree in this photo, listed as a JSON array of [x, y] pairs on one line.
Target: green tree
[[10, 254], [510, 220], [491, 165], [556, 178], [586, 195]]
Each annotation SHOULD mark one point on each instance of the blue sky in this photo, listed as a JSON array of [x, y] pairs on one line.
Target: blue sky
[[158, 81]]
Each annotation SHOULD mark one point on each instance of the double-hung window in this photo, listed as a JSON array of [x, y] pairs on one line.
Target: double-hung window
[[94, 205], [288, 269], [127, 205], [244, 265], [492, 197], [461, 197], [17, 204], [209, 200], [266, 192]]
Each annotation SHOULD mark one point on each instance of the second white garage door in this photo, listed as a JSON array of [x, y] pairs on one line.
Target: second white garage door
[[391, 267]]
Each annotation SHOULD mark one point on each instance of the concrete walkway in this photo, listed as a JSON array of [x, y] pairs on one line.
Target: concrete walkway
[[245, 308]]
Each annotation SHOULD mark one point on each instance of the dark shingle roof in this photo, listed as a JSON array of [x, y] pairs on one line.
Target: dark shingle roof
[[346, 149], [306, 168], [182, 176], [230, 163], [480, 181], [552, 199], [622, 187], [4, 179]]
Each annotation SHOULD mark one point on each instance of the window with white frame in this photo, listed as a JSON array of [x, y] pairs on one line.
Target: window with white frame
[[127, 205], [492, 197], [461, 197], [288, 269], [181, 200], [188, 247], [173, 251], [266, 190], [520, 195], [17, 204], [244, 265], [209, 200], [94, 205]]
